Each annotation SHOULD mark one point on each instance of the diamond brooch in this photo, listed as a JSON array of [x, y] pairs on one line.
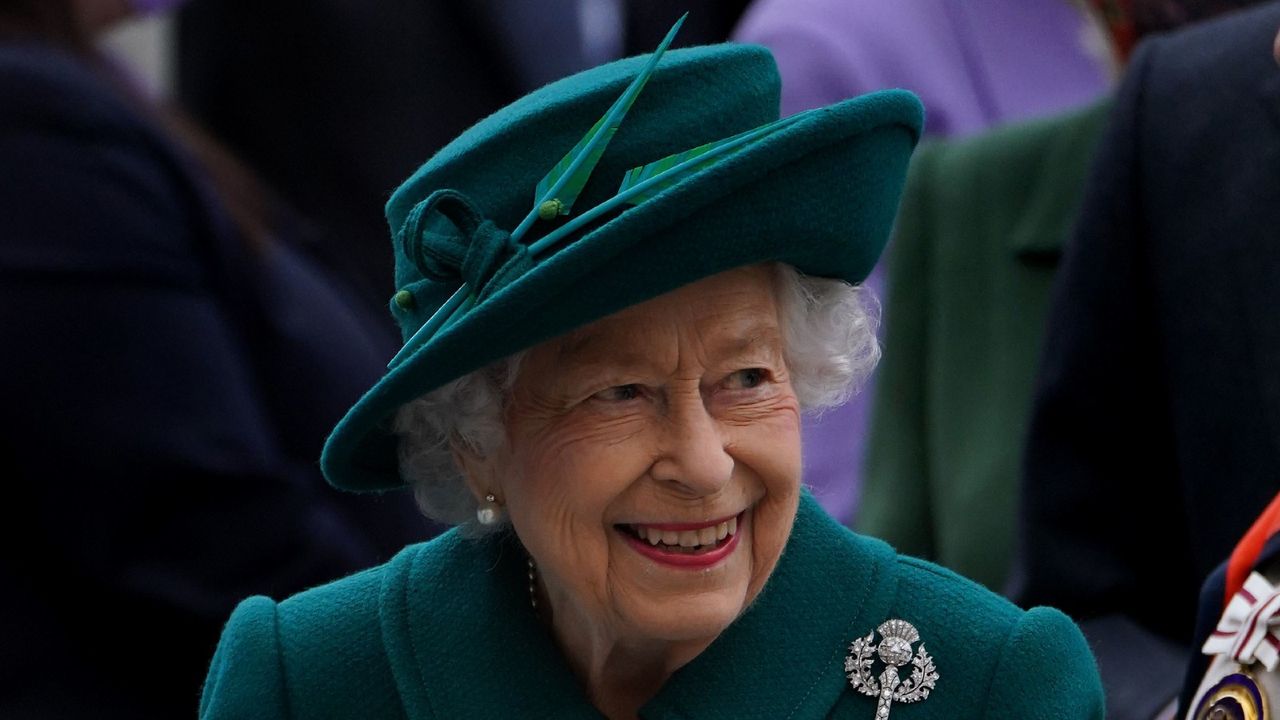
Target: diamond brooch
[[894, 651]]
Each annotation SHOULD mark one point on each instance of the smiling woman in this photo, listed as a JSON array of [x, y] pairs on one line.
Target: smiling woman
[[607, 403], [661, 435], [674, 415]]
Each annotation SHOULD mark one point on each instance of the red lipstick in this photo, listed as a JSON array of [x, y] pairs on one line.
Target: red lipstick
[[689, 561], [677, 527]]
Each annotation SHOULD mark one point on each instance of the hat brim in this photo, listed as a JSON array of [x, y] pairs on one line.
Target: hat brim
[[820, 194]]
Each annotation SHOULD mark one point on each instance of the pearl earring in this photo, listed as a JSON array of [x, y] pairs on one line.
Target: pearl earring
[[488, 513]]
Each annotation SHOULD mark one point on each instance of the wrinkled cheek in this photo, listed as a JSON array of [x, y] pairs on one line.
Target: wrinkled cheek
[[773, 443], [769, 537], [547, 522], [775, 455], [791, 468], [559, 520], [578, 568], [571, 557], [793, 455]]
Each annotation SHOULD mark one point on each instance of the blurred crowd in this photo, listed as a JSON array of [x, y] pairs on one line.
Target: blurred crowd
[[1078, 403]]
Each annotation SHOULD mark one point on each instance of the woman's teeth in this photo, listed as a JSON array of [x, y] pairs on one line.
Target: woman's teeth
[[686, 540]]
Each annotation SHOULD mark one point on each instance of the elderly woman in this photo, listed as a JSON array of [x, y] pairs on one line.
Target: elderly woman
[[609, 409]]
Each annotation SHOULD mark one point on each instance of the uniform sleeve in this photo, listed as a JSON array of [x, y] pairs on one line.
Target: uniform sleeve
[[895, 502], [1046, 672], [246, 677]]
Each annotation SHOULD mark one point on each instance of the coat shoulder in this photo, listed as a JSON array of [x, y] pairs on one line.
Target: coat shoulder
[[1235, 48], [331, 642], [989, 155], [93, 184], [1010, 172], [993, 658], [47, 87], [320, 653], [935, 587]]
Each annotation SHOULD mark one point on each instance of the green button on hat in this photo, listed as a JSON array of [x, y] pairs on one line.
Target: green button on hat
[[609, 188]]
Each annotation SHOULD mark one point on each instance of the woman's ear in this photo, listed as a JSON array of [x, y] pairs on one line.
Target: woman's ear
[[480, 472]]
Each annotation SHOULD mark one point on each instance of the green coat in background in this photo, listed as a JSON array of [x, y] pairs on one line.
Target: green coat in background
[[444, 630], [977, 241]]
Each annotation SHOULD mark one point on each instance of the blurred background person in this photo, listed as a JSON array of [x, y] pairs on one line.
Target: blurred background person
[[378, 85], [978, 240], [1234, 648], [981, 227], [1155, 429], [381, 85], [171, 366], [974, 64], [645, 22]]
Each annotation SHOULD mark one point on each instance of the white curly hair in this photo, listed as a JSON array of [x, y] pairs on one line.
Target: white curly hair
[[830, 347]]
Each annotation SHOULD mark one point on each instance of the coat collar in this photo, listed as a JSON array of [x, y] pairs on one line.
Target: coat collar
[[1055, 191], [463, 641]]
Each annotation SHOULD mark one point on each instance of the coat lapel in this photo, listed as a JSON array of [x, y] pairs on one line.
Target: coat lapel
[[1259, 293], [1054, 193], [464, 641]]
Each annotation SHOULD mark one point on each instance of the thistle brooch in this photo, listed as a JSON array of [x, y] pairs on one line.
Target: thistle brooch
[[894, 651]]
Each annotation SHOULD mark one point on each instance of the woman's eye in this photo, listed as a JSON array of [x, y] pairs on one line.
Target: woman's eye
[[618, 393], [746, 379]]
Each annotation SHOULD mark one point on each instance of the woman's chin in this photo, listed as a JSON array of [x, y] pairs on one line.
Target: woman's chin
[[693, 617], [680, 604]]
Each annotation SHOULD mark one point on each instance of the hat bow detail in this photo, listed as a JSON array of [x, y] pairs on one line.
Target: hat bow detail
[[467, 247]]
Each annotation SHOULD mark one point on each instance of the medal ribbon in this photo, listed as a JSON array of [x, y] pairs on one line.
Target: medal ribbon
[[1250, 547], [1249, 630]]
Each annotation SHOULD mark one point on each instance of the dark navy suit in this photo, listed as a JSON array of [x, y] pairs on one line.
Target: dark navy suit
[[336, 102], [1155, 438], [165, 392]]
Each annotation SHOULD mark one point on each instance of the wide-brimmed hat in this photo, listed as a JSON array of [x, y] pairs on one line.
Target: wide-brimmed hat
[[699, 176]]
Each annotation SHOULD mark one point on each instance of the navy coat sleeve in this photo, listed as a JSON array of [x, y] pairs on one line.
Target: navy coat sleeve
[[147, 493]]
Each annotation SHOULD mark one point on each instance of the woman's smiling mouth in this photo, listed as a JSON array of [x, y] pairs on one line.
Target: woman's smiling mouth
[[684, 545]]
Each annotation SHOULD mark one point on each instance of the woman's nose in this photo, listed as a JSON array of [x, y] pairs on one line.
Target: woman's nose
[[695, 457]]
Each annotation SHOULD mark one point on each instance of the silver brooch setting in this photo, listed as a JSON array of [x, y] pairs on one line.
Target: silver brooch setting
[[894, 651]]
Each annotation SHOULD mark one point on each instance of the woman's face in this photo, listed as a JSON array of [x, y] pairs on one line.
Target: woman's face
[[637, 443]]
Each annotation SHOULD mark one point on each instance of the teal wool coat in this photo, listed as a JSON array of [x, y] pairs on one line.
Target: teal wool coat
[[445, 630]]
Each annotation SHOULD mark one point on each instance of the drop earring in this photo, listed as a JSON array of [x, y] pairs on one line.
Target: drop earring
[[489, 513], [533, 585]]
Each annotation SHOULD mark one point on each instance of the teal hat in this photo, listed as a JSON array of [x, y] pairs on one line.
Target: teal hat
[[503, 241]]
